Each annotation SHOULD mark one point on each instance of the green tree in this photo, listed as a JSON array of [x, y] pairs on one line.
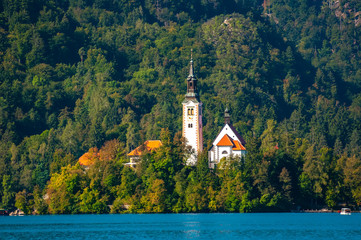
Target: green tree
[[90, 202], [155, 198], [352, 172], [8, 193], [40, 206], [63, 190], [22, 201]]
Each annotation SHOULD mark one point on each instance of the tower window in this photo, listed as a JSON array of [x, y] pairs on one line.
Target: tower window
[[224, 152], [190, 125], [190, 84], [190, 111]]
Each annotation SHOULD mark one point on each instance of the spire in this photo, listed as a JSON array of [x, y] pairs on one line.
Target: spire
[[191, 69], [227, 117], [191, 81]]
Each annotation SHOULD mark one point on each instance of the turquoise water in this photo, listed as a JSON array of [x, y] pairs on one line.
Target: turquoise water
[[183, 226]]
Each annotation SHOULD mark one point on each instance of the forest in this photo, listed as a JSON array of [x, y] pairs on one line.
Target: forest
[[103, 76]]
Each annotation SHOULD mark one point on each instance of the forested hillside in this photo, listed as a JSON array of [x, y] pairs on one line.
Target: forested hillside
[[83, 75]]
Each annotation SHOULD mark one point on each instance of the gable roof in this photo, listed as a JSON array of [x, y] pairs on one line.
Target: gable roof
[[238, 146], [149, 145], [237, 135], [225, 141], [231, 132]]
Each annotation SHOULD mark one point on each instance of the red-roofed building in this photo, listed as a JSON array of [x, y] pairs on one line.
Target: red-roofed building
[[228, 143], [89, 158], [147, 146]]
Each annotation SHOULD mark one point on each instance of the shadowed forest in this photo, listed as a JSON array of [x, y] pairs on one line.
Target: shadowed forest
[[103, 76]]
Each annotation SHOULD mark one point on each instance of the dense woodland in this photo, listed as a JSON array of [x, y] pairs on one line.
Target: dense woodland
[[104, 76]]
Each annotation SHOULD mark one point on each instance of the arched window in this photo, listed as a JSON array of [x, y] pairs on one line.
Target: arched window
[[224, 152], [190, 111]]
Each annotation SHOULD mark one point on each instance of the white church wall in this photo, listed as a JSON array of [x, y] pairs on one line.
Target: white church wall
[[224, 151]]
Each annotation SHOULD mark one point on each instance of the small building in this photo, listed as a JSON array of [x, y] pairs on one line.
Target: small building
[[89, 158], [227, 143], [147, 146]]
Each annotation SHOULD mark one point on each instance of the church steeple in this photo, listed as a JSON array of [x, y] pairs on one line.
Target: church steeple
[[191, 81], [191, 69], [227, 117], [192, 118]]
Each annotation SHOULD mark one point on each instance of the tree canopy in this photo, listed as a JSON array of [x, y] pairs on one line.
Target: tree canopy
[[101, 77]]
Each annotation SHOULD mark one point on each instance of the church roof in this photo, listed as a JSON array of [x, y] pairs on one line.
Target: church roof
[[238, 146], [230, 131], [225, 141], [148, 145], [237, 134], [191, 75], [192, 91], [229, 136]]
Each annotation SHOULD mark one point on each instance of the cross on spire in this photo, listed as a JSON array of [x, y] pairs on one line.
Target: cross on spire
[[191, 81], [191, 69]]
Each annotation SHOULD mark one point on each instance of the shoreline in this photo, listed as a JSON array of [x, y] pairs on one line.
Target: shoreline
[[150, 213]]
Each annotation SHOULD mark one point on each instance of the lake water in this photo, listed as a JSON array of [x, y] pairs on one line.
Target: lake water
[[183, 226]]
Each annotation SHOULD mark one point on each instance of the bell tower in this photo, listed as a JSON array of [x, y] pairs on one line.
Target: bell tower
[[192, 117]]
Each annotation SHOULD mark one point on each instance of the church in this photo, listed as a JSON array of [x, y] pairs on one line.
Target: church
[[192, 118], [227, 143]]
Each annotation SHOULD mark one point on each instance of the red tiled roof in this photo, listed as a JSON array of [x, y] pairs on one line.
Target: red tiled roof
[[89, 157], [238, 146], [225, 141], [149, 145]]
